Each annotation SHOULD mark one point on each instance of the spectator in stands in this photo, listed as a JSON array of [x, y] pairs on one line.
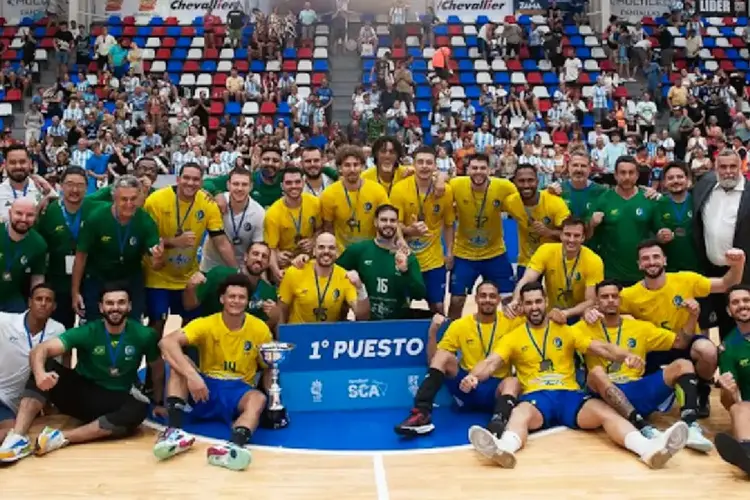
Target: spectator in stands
[[666, 43], [235, 87], [429, 21], [135, 60], [367, 41], [405, 84], [210, 23], [64, 44], [398, 14], [325, 97], [33, 121], [441, 63], [512, 37], [307, 20], [102, 47], [236, 22], [484, 39]]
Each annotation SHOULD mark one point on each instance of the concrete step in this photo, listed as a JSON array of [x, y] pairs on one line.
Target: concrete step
[[347, 62]]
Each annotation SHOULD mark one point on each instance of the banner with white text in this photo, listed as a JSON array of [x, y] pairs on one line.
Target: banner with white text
[[722, 8], [496, 10], [184, 10], [635, 10]]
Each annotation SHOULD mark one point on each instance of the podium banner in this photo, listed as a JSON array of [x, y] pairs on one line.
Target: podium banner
[[355, 366]]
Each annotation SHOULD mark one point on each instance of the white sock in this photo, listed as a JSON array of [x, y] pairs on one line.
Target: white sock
[[638, 443], [511, 441]]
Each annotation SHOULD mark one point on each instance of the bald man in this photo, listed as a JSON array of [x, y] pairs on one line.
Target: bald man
[[23, 256], [319, 291]]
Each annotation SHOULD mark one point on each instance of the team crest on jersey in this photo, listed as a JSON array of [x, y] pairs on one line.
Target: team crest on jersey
[[129, 350], [578, 276], [133, 241], [247, 227], [336, 294], [435, 208], [546, 220], [248, 346], [200, 214], [368, 206], [639, 211], [614, 211], [678, 300], [631, 343], [690, 214], [99, 350], [557, 342], [59, 229], [24, 260], [496, 203]]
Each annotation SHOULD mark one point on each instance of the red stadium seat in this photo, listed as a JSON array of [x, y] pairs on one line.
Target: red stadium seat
[[514, 65], [242, 66], [188, 31], [129, 31], [217, 108], [159, 31], [305, 53], [171, 21], [163, 54], [268, 108], [317, 78], [13, 95], [128, 20], [210, 54], [220, 79], [289, 65], [455, 29], [168, 42], [191, 66]]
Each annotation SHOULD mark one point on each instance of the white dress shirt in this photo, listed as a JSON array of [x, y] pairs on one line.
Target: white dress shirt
[[720, 221]]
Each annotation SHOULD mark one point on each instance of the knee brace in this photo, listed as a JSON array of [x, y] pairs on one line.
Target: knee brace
[[126, 419]]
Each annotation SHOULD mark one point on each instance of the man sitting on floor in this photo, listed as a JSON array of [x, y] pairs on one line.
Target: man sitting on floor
[[228, 344]]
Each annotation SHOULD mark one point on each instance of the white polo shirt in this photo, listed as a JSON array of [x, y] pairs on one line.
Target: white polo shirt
[[249, 226], [8, 195], [14, 354]]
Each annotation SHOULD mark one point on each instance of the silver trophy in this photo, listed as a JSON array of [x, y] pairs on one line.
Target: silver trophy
[[274, 354]]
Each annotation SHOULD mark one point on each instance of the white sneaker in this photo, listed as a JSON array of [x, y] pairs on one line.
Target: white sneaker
[[49, 440], [14, 448], [486, 444], [172, 442], [650, 432], [665, 447], [696, 440]]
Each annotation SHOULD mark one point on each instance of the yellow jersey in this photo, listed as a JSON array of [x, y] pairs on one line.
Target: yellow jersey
[[480, 225], [476, 340], [315, 302], [551, 210], [435, 212], [399, 174], [540, 365], [200, 216], [635, 336], [283, 227], [352, 212], [566, 280], [228, 354], [663, 307]]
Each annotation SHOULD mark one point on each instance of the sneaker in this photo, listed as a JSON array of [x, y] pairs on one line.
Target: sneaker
[[418, 423], [650, 432], [14, 448], [696, 440], [731, 451], [49, 440], [487, 445], [229, 456], [667, 446], [171, 442]]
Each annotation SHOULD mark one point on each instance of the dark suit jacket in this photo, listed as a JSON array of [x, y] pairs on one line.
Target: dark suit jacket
[[701, 192]]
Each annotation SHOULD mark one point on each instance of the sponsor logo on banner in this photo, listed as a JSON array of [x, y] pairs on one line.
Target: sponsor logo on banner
[[494, 9], [181, 9], [722, 7], [361, 365], [638, 9], [35, 9]]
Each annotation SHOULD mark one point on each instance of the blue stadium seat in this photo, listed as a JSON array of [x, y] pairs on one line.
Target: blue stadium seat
[[320, 65], [233, 108], [209, 66], [179, 54]]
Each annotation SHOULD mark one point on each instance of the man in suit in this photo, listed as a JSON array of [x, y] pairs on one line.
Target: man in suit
[[722, 221]]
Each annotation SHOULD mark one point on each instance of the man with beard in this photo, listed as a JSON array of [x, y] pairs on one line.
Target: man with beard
[[243, 220], [570, 272], [224, 389], [734, 366], [19, 333], [333, 288], [479, 248], [291, 223], [20, 182], [543, 354], [673, 221], [390, 273], [387, 152], [183, 214], [633, 394], [475, 336], [98, 390], [59, 225], [110, 247], [145, 171], [203, 289], [545, 214], [579, 192], [23, 256], [348, 206], [266, 185], [426, 220], [662, 298], [317, 177], [620, 219]]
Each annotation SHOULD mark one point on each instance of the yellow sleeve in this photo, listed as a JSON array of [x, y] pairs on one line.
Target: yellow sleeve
[[214, 220], [581, 339], [625, 303], [151, 204], [594, 268], [196, 330], [398, 200], [328, 205], [538, 261], [504, 348], [350, 293], [271, 227], [658, 339], [513, 206], [286, 287], [559, 209], [316, 212], [449, 342], [449, 212], [701, 285]]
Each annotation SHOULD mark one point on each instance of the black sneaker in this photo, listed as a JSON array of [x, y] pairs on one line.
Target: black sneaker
[[418, 423], [733, 452], [704, 400]]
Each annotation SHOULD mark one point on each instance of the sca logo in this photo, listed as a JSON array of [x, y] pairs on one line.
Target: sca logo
[[365, 388]]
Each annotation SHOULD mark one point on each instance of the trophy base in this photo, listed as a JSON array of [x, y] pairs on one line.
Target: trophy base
[[274, 419]]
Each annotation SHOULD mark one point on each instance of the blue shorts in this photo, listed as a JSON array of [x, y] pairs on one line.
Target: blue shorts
[[160, 302], [482, 398], [655, 360], [466, 272], [6, 413], [559, 407], [649, 394], [434, 282], [62, 57], [224, 398]]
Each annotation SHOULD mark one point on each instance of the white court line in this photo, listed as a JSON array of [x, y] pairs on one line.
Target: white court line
[[367, 453], [381, 482]]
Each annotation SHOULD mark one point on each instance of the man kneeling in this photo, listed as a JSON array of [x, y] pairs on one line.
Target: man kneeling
[[228, 344], [98, 391]]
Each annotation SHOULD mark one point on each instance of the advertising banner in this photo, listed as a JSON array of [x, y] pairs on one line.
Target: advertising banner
[[18, 9], [635, 10], [470, 9], [184, 10], [355, 366], [722, 8]]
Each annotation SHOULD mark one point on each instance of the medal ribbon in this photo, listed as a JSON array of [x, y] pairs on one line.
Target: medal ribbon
[[390, 186], [236, 228], [298, 221], [28, 332], [543, 351], [114, 353], [569, 276], [478, 219], [352, 208], [488, 347], [679, 215], [73, 221], [421, 201], [619, 333], [322, 297], [122, 236], [10, 259], [25, 191], [181, 221]]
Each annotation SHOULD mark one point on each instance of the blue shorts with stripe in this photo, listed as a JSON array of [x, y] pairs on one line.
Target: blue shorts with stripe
[[224, 396], [558, 407], [649, 394], [466, 272], [160, 302], [434, 282], [482, 398]]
